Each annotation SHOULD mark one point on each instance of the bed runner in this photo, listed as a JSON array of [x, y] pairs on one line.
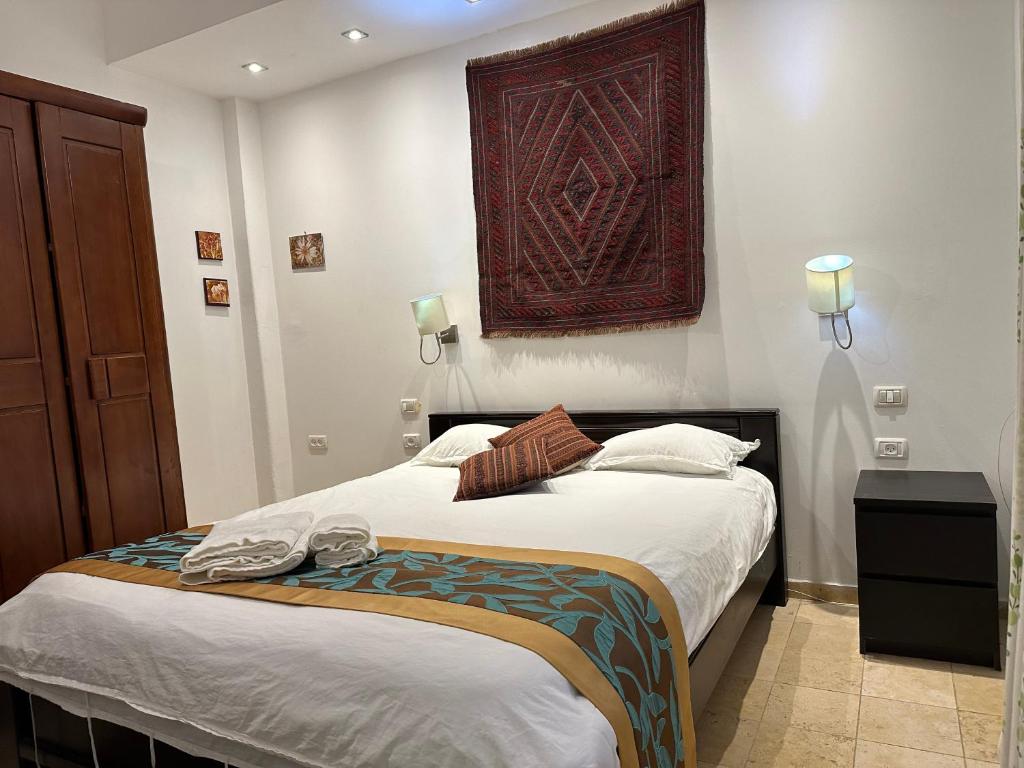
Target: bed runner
[[608, 625]]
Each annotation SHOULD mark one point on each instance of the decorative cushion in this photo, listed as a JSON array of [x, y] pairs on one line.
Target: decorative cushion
[[500, 471], [456, 445], [567, 447], [678, 448]]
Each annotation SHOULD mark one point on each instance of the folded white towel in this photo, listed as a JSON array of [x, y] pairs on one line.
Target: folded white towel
[[249, 548], [342, 540]]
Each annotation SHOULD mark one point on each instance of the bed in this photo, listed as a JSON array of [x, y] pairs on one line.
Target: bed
[[132, 655]]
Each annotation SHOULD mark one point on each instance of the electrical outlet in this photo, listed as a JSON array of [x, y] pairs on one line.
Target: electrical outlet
[[412, 441], [890, 447], [410, 406], [318, 442]]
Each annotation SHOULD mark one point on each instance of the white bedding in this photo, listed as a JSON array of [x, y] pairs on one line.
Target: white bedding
[[262, 684]]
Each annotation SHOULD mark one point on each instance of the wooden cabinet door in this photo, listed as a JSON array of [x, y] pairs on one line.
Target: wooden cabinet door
[[112, 317], [40, 517]]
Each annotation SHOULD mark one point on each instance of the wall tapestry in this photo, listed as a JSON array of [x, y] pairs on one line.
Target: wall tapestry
[[209, 246], [307, 250], [588, 179]]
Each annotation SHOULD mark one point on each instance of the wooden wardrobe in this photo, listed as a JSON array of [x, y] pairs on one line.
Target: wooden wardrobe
[[88, 446]]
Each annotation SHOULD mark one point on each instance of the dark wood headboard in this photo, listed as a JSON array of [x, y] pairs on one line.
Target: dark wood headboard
[[745, 423]]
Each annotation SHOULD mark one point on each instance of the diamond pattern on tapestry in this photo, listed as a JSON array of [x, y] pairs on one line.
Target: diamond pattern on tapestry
[[588, 179], [580, 188]]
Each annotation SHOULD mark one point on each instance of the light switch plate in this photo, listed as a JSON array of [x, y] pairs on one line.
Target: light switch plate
[[890, 447], [317, 442], [890, 396], [412, 441], [410, 406]]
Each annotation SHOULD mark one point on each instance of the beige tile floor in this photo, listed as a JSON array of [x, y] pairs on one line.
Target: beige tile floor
[[798, 694]]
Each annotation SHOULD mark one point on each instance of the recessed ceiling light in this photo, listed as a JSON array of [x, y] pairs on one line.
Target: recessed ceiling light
[[255, 67], [355, 34]]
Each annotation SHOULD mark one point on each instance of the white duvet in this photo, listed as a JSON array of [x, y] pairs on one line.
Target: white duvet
[[262, 684]]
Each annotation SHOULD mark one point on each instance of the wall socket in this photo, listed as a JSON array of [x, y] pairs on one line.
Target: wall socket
[[890, 447], [412, 441], [317, 442]]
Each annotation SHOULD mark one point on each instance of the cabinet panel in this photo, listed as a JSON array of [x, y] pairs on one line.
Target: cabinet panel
[[40, 518], [943, 621], [21, 383], [18, 338], [106, 265], [133, 474], [114, 339], [127, 375], [922, 545], [30, 528]]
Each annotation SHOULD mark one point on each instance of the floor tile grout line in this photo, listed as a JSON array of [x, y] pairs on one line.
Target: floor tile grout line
[[785, 728], [774, 684], [904, 747], [807, 727], [959, 722], [964, 758], [760, 722], [963, 752], [915, 749], [750, 749], [856, 731]]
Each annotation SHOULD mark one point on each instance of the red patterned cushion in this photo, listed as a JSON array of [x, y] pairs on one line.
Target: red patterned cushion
[[503, 470], [566, 445]]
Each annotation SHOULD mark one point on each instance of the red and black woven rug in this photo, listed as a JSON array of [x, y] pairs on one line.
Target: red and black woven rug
[[588, 179]]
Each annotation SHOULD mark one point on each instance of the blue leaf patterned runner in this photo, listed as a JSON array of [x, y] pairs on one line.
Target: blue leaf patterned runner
[[611, 619]]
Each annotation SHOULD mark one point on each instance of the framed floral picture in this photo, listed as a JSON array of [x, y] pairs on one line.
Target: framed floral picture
[[216, 292], [209, 246], [307, 250]]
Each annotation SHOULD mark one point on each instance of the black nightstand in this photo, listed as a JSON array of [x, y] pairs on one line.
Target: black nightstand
[[926, 565]]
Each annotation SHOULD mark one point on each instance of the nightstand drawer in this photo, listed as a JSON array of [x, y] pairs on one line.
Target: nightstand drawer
[[926, 546], [942, 621]]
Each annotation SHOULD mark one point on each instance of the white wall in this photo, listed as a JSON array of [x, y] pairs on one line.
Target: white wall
[[879, 129], [62, 42], [258, 301]]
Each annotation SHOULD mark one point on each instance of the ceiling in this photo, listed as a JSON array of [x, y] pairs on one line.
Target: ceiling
[[299, 40], [132, 26]]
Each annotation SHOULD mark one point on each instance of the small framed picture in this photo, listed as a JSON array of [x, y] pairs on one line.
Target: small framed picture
[[307, 250], [216, 292], [209, 247]]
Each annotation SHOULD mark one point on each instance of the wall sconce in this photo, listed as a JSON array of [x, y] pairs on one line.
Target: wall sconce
[[830, 290], [431, 318]]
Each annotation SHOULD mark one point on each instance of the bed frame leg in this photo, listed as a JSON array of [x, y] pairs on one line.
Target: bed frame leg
[[8, 729], [775, 591]]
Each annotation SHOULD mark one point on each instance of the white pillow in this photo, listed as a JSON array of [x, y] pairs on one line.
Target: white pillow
[[457, 444], [680, 448]]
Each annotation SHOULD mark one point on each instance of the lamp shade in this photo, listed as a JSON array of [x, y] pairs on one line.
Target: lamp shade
[[830, 284], [429, 313]]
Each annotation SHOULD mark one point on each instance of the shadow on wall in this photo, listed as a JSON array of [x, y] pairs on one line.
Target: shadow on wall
[[458, 386], [840, 417], [658, 357], [878, 294]]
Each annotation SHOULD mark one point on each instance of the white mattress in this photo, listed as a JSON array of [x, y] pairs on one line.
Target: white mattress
[[262, 684]]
